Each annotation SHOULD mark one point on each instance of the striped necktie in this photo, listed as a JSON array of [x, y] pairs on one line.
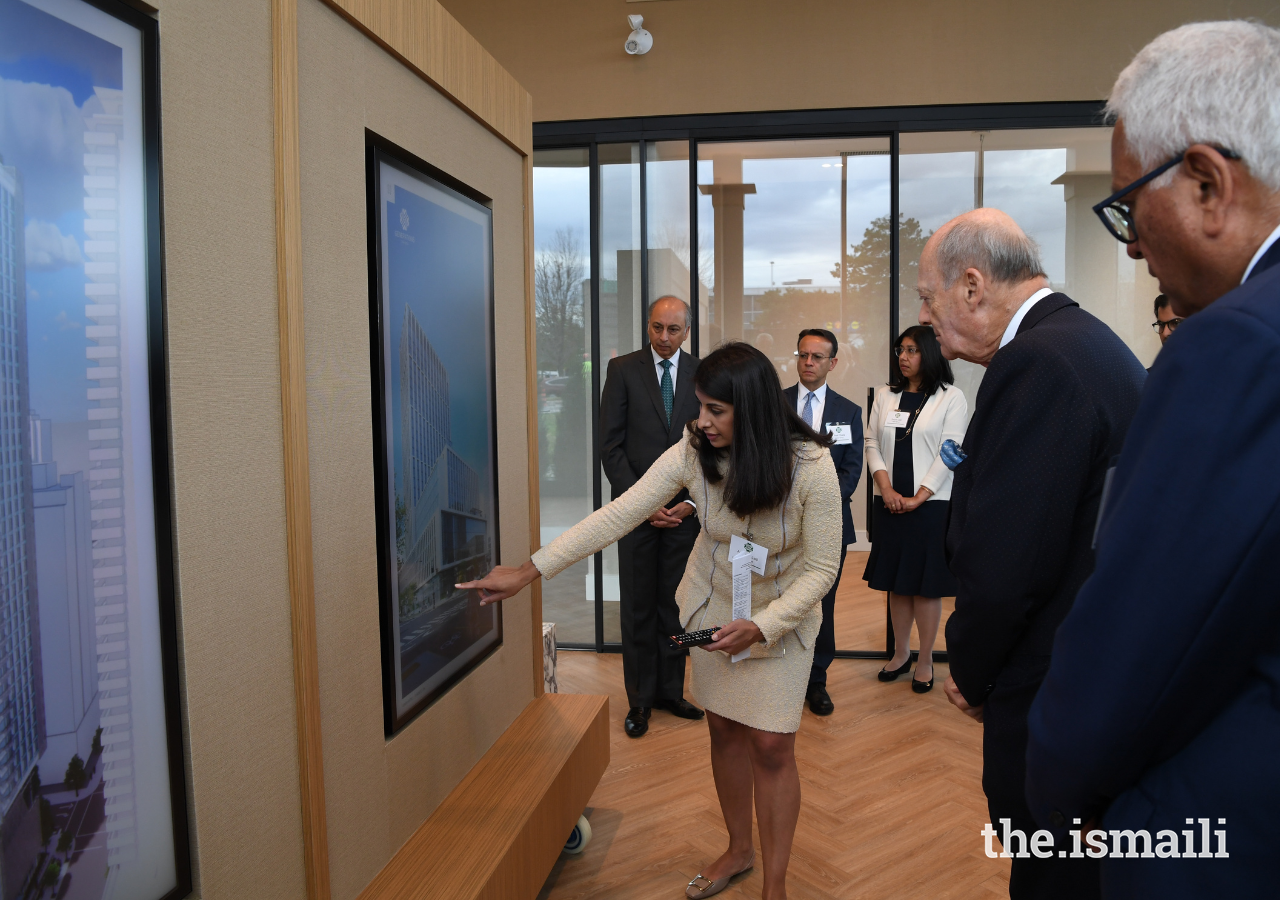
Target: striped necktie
[[807, 414], [668, 391]]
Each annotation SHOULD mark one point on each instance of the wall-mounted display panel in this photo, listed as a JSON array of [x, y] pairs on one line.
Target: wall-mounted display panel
[[92, 797], [431, 317]]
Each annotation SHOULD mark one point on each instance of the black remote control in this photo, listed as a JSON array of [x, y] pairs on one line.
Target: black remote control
[[695, 638]]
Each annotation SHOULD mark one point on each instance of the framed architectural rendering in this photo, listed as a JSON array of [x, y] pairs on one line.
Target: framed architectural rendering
[[431, 330], [92, 797]]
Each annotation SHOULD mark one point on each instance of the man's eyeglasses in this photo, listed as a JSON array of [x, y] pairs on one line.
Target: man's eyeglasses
[[1172, 325], [807, 357], [906, 351], [1118, 216]]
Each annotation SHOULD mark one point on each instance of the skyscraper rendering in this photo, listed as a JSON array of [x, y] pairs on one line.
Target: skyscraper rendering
[[424, 407], [68, 652], [103, 130], [444, 518], [21, 713]]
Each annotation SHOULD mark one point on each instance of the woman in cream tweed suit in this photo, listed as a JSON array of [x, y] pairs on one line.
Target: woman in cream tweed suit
[[755, 470]]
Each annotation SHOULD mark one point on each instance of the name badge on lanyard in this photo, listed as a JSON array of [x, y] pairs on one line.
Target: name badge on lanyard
[[746, 557]]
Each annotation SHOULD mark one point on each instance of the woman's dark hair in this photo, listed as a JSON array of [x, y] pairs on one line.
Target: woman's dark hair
[[935, 371], [764, 425]]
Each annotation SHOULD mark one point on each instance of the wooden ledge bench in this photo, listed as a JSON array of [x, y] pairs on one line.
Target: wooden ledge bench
[[499, 833]]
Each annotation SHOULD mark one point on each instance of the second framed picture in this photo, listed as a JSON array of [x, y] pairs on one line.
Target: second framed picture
[[435, 436]]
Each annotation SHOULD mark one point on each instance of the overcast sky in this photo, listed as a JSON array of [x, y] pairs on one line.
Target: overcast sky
[[793, 219]]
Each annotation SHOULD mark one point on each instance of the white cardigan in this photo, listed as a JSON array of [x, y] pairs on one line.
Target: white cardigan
[[944, 417]]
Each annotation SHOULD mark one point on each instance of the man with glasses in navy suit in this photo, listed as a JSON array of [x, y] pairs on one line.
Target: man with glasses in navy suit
[[828, 412], [1160, 712]]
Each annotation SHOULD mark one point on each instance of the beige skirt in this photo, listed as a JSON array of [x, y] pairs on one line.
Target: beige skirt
[[767, 693]]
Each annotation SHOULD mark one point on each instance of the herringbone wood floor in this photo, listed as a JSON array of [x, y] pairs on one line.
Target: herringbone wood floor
[[892, 801]]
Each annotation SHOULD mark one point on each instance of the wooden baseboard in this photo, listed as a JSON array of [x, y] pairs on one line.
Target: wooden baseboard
[[498, 834]]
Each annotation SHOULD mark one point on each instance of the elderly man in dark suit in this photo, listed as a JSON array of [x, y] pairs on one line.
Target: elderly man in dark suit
[[1052, 412], [830, 413], [647, 399], [1160, 712]]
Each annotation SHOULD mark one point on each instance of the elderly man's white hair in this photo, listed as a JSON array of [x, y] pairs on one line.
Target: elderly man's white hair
[[1206, 83], [989, 241]]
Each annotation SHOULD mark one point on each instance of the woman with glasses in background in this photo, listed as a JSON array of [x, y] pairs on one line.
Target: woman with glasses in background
[[910, 418]]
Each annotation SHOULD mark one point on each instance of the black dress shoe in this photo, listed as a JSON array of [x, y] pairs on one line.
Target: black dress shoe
[[820, 701], [921, 687], [637, 721], [682, 708], [886, 675]]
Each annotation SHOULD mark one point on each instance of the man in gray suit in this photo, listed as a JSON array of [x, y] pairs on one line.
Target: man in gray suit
[[647, 399]]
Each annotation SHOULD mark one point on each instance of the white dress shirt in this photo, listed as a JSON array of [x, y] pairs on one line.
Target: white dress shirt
[[819, 403], [1266, 245], [1012, 331], [657, 364]]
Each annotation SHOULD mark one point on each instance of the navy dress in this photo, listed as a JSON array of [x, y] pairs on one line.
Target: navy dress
[[908, 550]]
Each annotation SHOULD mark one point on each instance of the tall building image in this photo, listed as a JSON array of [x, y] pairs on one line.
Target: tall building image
[[444, 515], [21, 713], [64, 573], [424, 407], [104, 128]]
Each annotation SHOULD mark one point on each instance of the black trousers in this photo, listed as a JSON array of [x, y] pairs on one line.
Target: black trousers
[[1004, 775], [824, 648], [651, 563]]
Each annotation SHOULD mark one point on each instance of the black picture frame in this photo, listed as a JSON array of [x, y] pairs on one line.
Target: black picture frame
[[399, 709], [160, 443]]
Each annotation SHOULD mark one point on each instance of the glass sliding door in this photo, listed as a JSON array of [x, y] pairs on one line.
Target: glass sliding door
[[668, 245], [774, 216], [1048, 181], [622, 307], [764, 238], [562, 306]]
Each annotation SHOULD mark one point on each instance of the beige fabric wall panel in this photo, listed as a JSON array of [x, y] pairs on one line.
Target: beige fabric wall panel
[[378, 792], [224, 370], [735, 55]]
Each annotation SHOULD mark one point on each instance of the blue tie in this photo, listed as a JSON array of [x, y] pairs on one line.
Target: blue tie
[[668, 392], [807, 415]]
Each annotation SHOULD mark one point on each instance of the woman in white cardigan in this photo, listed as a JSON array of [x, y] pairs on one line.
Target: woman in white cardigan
[[910, 419]]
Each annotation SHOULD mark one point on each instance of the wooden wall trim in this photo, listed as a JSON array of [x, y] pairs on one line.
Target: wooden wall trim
[[427, 39], [531, 418], [297, 470]]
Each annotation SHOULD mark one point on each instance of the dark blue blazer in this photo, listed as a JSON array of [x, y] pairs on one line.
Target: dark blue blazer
[[840, 410], [1051, 414], [1162, 702]]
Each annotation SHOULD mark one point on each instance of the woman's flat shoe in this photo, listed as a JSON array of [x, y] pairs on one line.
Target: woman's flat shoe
[[921, 687], [701, 886], [886, 675]]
